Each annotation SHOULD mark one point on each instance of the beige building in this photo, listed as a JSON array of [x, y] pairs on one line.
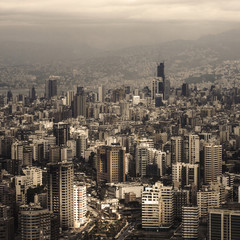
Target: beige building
[[212, 162], [111, 164]]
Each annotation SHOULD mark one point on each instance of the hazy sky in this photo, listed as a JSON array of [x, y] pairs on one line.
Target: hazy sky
[[110, 23]]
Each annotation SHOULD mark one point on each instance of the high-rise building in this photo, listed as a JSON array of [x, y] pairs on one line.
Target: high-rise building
[[32, 94], [34, 176], [160, 71], [185, 90], [157, 88], [157, 206], [160, 160], [206, 200], [6, 223], [21, 186], [212, 162], [190, 222], [191, 149], [50, 88], [66, 154], [69, 98], [80, 205], [62, 133], [176, 149], [141, 159], [79, 103], [163, 85], [180, 198], [185, 174], [34, 222], [60, 192], [224, 224], [101, 93], [111, 164], [17, 151], [124, 110], [81, 145], [54, 154]]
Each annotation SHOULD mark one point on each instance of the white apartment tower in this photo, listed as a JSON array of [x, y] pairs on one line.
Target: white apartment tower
[[80, 205], [193, 149]]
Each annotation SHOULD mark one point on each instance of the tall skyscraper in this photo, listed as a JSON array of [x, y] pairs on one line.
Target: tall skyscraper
[[176, 149], [79, 103], [224, 224], [62, 133], [157, 206], [185, 90], [32, 94], [160, 71], [101, 93], [161, 85], [212, 162], [80, 205], [51, 87], [60, 193], [111, 164], [190, 222]]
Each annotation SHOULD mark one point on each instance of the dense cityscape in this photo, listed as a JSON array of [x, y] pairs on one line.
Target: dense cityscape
[[154, 161]]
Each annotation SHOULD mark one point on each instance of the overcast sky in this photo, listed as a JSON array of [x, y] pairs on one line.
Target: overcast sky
[[110, 23]]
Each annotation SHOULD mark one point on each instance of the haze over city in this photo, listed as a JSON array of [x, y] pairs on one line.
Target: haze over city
[[115, 24]]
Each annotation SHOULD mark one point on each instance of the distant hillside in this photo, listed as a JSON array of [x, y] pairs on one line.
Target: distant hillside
[[130, 63]]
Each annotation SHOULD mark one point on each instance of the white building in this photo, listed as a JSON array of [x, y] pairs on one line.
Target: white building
[[80, 205], [157, 206], [34, 176], [206, 200], [190, 222], [118, 190], [185, 174], [193, 149]]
